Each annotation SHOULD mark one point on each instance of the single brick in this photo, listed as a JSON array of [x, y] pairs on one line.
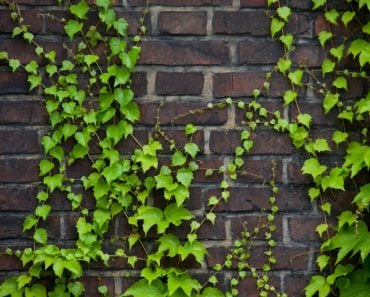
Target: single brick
[[182, 23], [259, 52], [185, 53], [254, 23], [23, 112], [19, 141], [15, 83], [15, 198], [189, 2], [175, 83], [302, 229], [295, 284], [19, 170]]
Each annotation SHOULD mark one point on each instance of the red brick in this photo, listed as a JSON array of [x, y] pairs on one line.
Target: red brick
[[294, 285], [17, 198], [31, 18], [254, 23], [15, 83], [19, 142], [205, 164], [309, 55], [184, 53], [19, 170], [253, 3], [182, 113], [182, 23], [259, 52], [188, 2], [247, 287], [139, 84], [260, 171], [92, 283], [265, 142], [9, 263], [181, 139], [303, 229], [174, 83], [295, 174], [22, 112]]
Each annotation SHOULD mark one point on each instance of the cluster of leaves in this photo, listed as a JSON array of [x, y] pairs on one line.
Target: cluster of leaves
[[345, 252], [92, 114]]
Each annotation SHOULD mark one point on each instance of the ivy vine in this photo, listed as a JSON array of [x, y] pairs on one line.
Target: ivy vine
[[89, 99]]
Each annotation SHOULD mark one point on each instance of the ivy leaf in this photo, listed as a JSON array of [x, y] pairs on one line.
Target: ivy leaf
[[357, 46], [37, 290], [183, 281], [178, 159], [331, 16], [337, 52], [150, 216], [79, 10], [347, 17], [169, 243], [72, 28], [101, 188], [32, 67], [317, 284], [195, 248], [113, 172], [276, 26], [317, 4], [76, 288], [366, 28], [9, 287], [321, 145], [362, 199], [176, 214], [190, 129], [324, 36], [116, 132], [117, 45], [29, 222], [330, 101], [322, 261], [45, 166], [347, 217], [143, 288], [131, 112], [327, 66], [284, 65], [326, 207], [339, 136], [34, 81], [335, 180], [212, 292], [192, 149], [121, 26], [313, 167], [40, 236], [340, 83], [296, 77], [287, 40], [211, 217], [43, 211], [340, 270], [83, 138], [101, 216], [289, 97], [123, 96], [284, 12], [90, 59], [304, 119], [53, 181], [185, 176], [23, 280]]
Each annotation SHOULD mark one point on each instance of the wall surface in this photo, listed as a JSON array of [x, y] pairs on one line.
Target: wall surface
[[195, 52]]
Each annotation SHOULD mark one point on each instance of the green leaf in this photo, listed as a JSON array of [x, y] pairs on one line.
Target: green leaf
[[53, 181], [23, 280], [313, 167], [284, 12], [327, 66], [80, 10], [117, 45], [45, 166], [151, 216], [31, 67], [337, 52], [29, 222], [317, 4], [321, 145], [121, 27], [90, 59], [101, 188], [296, 77], [289, 97], [43, 211], [113, 172], [326, 207], [101, 216], [340, 83], [123, 96], [318, 285], [192, 149], [40, 236], [330, 101], [37, 290], [83, 137], [211, 217], [185, 176], [362, 199], [347, 17], [324, 36], [347, 217], [276, 26], [357, 46], [339, 136], [211, 292], [322, 261], [195, 248], [183, 281], [131, 112], [331, 16], [76, 288], [73, 27], [9, 287], [313, 193], [284, 65], [190, 129], [175, 214], [335, 180], [169, 243], [34, 81], [366, 28], [304, 119], [143, 288], [287, 39], [178, 159], [116, 132]]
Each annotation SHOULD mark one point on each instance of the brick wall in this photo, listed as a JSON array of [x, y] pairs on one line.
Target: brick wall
[[196, 52]]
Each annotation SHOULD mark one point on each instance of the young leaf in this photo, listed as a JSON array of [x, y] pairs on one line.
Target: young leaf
[[43, 211], [45, 166], [178, 159], [330, 101], [79, 10], [289, 97], [276, 26], [296, 77], [332, 16], [40, 236], [324, 36], [347, 17], [327, 66], [339, 136], [318, 3], [192, 149], [190, 129], [340, 83], [72, 28], [14, 64], [313, 167], [284, 12]]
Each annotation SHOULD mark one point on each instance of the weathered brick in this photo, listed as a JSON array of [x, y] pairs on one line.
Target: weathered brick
[[182, 23], [19, 142], [139, 84], [174, 83], [184, 53], [253, 3], [15, 83], [23, 112], [295, 284], [309, 55], [91, 284], [295, 175], [265, 142], [9, 263], [302, 229], [254, 23], [182, 113], [31, 18], [17, 198], [19, 170], [260, 171], [259, 52], [188, 2]]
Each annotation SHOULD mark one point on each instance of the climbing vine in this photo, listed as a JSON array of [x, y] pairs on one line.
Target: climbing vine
[[89, 99]]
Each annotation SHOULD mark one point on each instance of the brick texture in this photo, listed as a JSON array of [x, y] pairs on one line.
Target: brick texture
[[196, 52]]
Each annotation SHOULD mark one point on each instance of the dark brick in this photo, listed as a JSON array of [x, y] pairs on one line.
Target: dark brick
[[15, 83], [9, 263], [248, 288], [205, 164], [303, 229], [19, 141], [31, 18], [309, 55], [23, 112], [139, 84], [260, 171], [184, 53], [181, 139], [17, 198], [295, 174], [265, 142], [92, 283], [254, 23], [188, 2], [174, 83], [294, 285], [19, 170], [259, 52], [182, 113], [182, 23], [253, 3]]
